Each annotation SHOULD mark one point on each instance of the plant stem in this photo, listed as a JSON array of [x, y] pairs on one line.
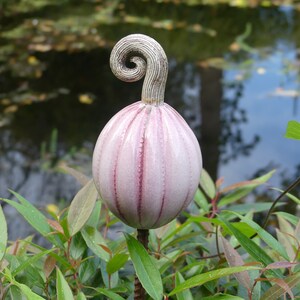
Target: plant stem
[[139, 291]]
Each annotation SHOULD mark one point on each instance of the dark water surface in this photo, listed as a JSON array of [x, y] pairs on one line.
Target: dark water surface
[[233, 75]]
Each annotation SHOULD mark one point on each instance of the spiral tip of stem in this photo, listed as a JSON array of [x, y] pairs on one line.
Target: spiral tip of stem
[[149, 60]]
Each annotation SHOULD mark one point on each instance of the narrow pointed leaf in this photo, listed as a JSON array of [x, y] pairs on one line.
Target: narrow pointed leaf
[[235, 195], [82, 207], [201, 200], [281, 265], [241, 189], [94, 240], [34, 217], [293, 130], [265, 236], [27, 292], [289, 195], [207, 184], [24, 289], [3, 235], [252, 248], [145, 268], [184, 295], [277, 291], [30, 261], [116, 263], [95, 215], [291, 218], [80, 296], [49, 265], [286, 243], [234, 259], [249, 183], [258, 207], [280, 282], [199, 280], [80, 177], [63, 290], [111, 295], [222, 297]]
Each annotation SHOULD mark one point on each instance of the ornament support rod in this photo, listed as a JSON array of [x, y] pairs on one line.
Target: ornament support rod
[[139, 291]]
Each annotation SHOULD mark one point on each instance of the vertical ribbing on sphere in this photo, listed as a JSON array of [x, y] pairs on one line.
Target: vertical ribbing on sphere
[[149, 59], [147, 165]]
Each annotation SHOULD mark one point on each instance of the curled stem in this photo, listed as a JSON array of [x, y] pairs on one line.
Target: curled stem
[[149, 60]]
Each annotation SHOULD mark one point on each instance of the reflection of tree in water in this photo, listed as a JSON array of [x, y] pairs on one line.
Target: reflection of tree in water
[[198, 94], [221, 121], [232, 141]]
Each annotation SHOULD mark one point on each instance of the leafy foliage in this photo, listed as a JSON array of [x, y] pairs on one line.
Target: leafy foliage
[[293, 130], [219, 251]]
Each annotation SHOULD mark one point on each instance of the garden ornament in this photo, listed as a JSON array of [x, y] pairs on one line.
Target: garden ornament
[[147, 160]]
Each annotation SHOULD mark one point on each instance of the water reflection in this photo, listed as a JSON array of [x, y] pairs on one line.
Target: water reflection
[[237, 88]]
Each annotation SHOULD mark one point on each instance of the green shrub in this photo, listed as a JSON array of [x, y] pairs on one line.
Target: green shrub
[[217, 252]]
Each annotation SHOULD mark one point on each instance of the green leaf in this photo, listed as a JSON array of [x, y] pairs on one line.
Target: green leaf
[[82, 207], [25, 290], [111, 295], [145, 268], [110, 281], [209, 276], [80, 296], [116, 263], [95, 215], [241, 189], [15, 293], [265, 236], [30, 261], [234, 259], [94, 240], [252, 248], [207, 184], [63, 290], [293, 130], [34, 217], [258, 207], [86, 270], [3, 235], [222, 297], [30, 295], [201, 200], [277, 291], [291, 218], [185, 295], [289, 195], [78, 246]]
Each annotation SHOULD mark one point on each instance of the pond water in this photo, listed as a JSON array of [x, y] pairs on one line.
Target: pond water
[[233, 75]]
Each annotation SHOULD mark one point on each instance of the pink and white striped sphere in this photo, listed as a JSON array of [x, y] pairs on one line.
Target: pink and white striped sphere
[[147, 164]]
